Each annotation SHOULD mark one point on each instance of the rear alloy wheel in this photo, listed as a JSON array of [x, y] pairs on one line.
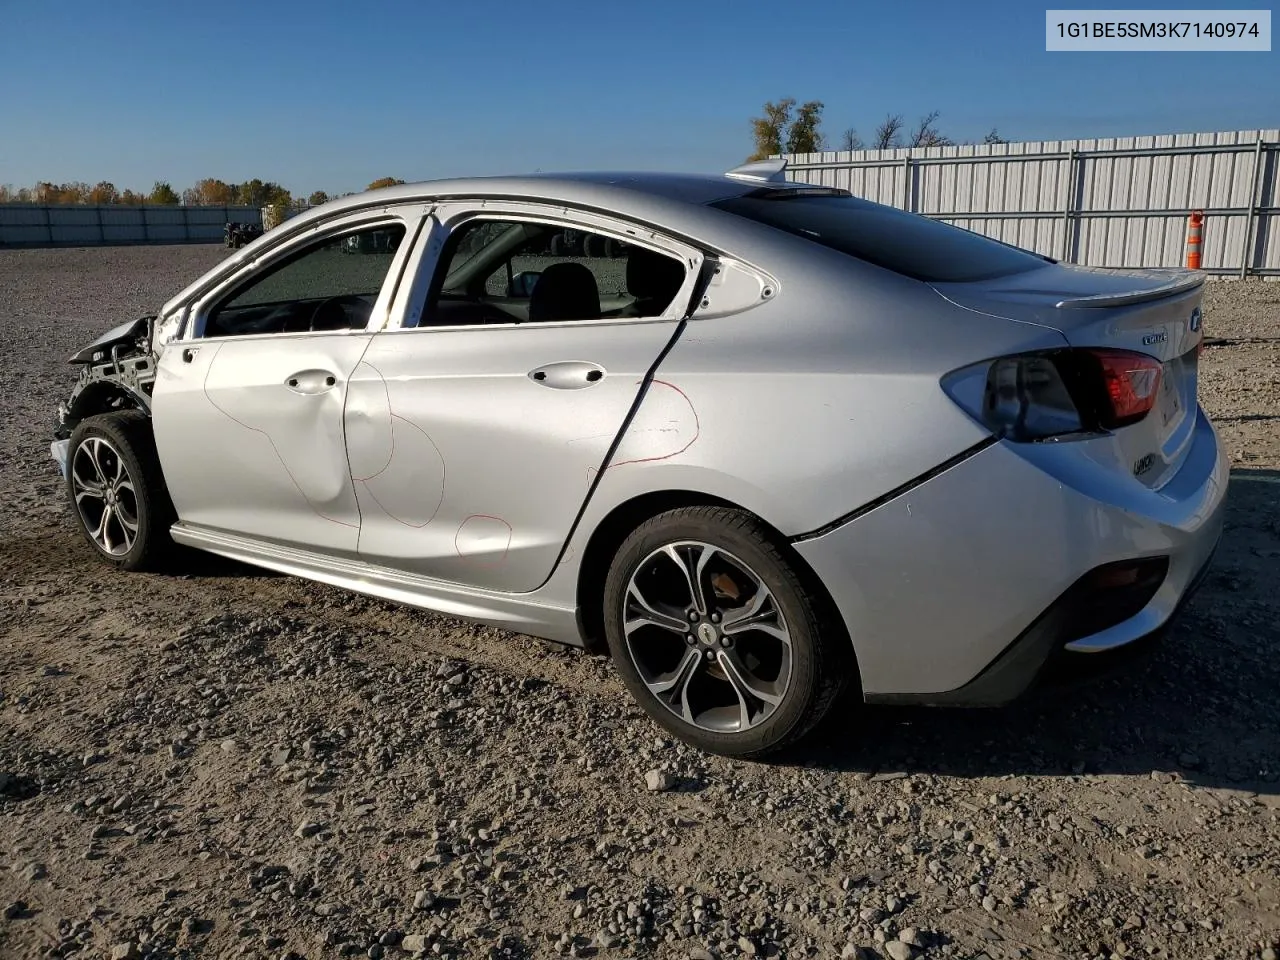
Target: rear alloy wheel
[[116, 490], [718, 636]]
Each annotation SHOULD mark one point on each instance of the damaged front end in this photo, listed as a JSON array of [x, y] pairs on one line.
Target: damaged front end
[[118, 372]]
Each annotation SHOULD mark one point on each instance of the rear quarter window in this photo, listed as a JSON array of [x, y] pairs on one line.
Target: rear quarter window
[[905, 243]]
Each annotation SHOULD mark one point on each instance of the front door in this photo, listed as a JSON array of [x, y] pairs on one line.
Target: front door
[[475, 434], [248, 408]]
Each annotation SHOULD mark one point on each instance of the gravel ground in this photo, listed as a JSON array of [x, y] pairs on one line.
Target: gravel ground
[[222, 762]]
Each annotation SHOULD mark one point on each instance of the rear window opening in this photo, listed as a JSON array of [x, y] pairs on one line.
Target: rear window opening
[[906, 243]]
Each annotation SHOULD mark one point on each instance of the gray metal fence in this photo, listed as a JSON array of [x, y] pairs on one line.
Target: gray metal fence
[[36, 225], [1118, 202]]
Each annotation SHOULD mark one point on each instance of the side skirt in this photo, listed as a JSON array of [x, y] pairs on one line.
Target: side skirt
[[519, 613]]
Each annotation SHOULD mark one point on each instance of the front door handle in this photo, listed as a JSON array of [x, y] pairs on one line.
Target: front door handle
[[311, 382], [568, 374], [189, 354]]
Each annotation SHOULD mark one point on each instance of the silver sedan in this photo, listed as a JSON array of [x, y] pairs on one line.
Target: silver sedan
[[767, 442]]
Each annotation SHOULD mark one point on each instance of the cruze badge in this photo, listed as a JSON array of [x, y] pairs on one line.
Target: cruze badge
[[1151, 338], [1143, 464]]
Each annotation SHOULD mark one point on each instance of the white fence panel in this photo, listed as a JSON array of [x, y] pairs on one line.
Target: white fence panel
[[1116, 202], [25, 224]]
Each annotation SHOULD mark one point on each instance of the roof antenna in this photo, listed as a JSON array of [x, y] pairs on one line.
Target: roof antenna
[[764, 171]]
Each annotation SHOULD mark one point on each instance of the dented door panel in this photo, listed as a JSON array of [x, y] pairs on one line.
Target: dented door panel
[[469, 469], [249, 428], [250, 437], [474, 448]]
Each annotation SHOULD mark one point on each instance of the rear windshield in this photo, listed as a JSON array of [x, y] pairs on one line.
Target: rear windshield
[[905, 243]]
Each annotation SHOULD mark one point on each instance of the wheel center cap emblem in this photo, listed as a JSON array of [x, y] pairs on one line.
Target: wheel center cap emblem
[[707, 633]]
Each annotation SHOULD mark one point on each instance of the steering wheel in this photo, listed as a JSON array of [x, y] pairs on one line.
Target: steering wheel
[[335, 306]]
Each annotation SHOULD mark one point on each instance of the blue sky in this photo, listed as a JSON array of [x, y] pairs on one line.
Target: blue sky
[[330, 95]]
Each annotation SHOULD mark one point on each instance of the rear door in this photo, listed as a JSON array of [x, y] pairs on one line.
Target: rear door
[[475, 433]]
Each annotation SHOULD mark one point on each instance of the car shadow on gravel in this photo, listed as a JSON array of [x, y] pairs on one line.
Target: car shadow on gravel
[[1248, 418], [198, 564], [62, 552], [1197, 705]]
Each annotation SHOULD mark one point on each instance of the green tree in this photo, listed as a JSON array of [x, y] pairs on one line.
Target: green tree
[[383, 182], [262, 193], [770, 130], [162, 193], [104, 193], [317, 197], [132, 199], [993, 136], [805, 135], [278, 195], [61, 193], [783, 127], [211, 192], [253, 193]]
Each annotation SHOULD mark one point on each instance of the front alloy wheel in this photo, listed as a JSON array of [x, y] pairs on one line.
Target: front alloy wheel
[[116, 489], [105, 496]]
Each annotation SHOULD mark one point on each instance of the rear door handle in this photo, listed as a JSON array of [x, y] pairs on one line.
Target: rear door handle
[[311, 382], [568, 374]]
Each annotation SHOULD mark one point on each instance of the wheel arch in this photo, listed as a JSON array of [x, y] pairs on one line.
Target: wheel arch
[[104, 396], [616, 525]]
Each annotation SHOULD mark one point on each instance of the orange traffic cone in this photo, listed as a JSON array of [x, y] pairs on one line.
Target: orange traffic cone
[[1195, 234]]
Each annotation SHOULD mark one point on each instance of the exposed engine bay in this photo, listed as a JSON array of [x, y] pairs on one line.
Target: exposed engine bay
[[118, 373]]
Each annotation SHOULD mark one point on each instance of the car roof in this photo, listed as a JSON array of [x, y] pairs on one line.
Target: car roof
[[686, 187], [624, 192]]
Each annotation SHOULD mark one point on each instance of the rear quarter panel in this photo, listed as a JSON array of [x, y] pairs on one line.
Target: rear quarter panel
[[815, 402], [808, 406]]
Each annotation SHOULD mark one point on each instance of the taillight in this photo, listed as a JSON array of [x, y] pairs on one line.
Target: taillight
[[1131, 381], [1059, 393]]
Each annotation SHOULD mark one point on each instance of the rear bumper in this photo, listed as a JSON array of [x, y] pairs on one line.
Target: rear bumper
[[1044, 652], [963, 590]]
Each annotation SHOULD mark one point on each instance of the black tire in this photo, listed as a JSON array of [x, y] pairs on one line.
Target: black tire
[[127, 435], [593, 246], [821, 664], [610, 248], [557, 245]]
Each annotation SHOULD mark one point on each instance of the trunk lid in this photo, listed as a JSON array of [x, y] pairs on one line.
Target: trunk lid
[[1155, 312]]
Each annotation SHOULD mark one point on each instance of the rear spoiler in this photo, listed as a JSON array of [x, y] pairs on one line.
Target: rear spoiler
[[1181, 282]]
